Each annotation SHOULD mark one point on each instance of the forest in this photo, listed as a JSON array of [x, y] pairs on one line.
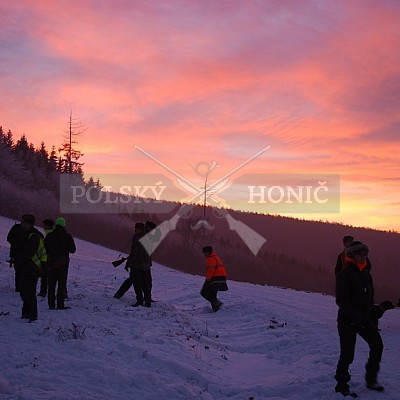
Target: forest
[[297, 254]]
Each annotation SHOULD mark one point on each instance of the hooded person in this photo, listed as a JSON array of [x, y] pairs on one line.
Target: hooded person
[[355, 299], [59, 245]]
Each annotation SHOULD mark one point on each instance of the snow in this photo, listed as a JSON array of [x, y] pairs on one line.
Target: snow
[[264, 343]]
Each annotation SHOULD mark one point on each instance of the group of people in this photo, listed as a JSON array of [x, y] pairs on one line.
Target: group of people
[[33, 256], [138, 264], [46, 256], [357, 314]]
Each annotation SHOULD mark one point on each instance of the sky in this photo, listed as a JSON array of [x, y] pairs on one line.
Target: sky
[[264, 342], [201, 82]]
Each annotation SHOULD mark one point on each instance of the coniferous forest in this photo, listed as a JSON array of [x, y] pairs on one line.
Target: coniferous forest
[[297, 254]]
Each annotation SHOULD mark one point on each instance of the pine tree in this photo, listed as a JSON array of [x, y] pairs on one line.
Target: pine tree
[[21, 148], [71, 155], [9, 139], [53, 159]]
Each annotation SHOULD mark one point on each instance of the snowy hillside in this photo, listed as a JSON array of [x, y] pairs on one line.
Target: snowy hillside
[[265, 342]]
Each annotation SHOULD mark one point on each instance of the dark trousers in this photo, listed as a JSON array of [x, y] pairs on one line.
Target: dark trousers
[[209, 293], [126, 284], [43, 281], [142, 285], [348, 335], [28, 296], [57, 277], [18, 270]]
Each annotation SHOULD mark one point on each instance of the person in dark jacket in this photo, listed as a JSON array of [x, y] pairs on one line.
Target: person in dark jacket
[[30, 267], [48, 226], [341, 259], [16, 237], [139, 263], [355, 299], [59, 244], [151, 236]]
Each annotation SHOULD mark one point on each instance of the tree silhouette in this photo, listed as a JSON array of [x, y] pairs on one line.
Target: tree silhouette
[[69, 163]]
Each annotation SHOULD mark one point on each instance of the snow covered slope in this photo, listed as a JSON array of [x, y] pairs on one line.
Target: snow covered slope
[[265, 342]]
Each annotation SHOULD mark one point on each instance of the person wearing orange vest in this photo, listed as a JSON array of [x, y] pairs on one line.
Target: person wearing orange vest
[[355, 299], [215, 278]]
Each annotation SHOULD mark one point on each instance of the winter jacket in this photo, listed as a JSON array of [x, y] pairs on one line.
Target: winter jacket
[[59, 244], [138, 257], [340, 262], [354, 294], [30, 244], [16, 237], [214, 267]]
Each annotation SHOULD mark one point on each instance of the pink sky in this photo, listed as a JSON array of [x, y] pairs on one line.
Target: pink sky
[[193, 81]]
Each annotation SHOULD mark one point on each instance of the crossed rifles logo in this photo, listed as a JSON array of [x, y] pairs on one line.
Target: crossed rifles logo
[[253, 240]]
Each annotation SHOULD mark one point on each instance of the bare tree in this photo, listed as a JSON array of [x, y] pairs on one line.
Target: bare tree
[[68, 149]]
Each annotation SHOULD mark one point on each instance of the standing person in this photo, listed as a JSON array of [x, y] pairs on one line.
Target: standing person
[[341, 259], [32, 250], [215, 278], [139, 263], [59, 244], [48, 226], [148, 240], [16, 237], [355, 298], [152, 236]]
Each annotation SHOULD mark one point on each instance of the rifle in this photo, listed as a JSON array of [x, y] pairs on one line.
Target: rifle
[[116, 263]]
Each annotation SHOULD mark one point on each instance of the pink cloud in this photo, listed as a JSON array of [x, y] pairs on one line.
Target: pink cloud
[[205, 80]]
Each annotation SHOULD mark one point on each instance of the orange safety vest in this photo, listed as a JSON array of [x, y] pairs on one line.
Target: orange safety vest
[[214, 267]]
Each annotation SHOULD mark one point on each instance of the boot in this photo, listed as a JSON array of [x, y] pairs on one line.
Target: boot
[[345, 391], [375, 386]]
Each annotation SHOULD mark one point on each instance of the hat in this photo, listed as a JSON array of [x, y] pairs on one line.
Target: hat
[[48, 222], [60, 221], [150, 225], [207, 249], [357, 249], [348, 238], [29, 219]]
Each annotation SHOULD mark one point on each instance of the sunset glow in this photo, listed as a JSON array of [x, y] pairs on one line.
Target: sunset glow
[[196, 81]]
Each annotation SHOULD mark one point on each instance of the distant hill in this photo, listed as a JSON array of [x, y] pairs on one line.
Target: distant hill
[[298, 254]]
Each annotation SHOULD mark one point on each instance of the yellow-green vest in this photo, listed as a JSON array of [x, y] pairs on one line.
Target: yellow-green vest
[[40, 255]]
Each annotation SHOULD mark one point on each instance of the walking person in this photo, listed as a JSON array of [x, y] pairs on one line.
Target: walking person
[[341, 259], [355, 299], [32, 251], [48, 226], [59, 245], [139, 263], [215, 278]]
